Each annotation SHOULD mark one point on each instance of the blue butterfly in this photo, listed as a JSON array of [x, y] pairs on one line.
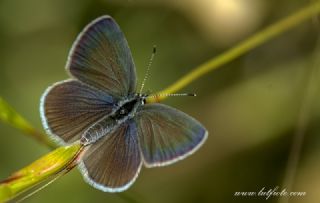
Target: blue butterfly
[[100, 108]]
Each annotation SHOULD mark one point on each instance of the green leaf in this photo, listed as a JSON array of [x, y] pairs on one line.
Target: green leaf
[[10, 116], [62, 159]]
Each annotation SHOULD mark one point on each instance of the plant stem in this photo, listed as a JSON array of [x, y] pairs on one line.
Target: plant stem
[[52, 164], [240, 49], [309, 93], [10, 116]]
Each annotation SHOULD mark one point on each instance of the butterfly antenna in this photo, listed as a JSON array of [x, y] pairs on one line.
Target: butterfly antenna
[[148, 68], [174, 95]]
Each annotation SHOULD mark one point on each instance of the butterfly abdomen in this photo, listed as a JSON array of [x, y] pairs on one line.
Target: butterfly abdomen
[[124, 111], [98, 130]]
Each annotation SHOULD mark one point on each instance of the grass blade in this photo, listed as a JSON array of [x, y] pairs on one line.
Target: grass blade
[[61, 159], [9, 116]]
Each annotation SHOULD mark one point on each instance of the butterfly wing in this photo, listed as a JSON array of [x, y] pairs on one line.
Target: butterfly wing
[[68, 108], [167, 135], [112, 163], [101, 58]]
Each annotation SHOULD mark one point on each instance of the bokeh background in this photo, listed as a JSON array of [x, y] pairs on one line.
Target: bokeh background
[[253, 107]]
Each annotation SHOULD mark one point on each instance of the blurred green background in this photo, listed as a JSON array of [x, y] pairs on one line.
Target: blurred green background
[[253, 107]]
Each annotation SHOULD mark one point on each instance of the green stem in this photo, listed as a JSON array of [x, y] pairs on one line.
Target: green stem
[[240, 49], [50, 165], [12, 117]]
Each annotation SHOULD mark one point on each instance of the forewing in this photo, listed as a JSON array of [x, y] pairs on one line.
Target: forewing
[[101, 58], [112, 163], [167, 135], [68, 108]]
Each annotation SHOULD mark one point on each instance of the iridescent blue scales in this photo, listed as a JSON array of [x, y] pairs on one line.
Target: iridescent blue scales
[[99, 108]]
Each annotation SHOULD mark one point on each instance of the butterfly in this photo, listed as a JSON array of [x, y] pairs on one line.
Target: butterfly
[[100, 108]]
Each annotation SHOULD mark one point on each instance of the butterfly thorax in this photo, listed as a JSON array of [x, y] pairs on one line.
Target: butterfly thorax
[[124, 110]]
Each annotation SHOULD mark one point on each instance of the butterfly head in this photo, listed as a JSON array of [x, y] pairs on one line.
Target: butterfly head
[[141, 98]]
